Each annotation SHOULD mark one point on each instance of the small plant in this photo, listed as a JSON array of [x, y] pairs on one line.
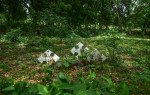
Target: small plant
[[91, 74], [112, 45], [43, 42], [64, 85], [15, 36], [23, 66], [47, 70]]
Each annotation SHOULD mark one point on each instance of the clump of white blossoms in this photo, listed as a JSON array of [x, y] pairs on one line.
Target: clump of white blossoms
[[48, 57], [95, 54], [74, 50]]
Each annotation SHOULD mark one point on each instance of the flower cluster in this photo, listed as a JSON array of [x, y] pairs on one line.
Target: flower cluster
[[95, 54]]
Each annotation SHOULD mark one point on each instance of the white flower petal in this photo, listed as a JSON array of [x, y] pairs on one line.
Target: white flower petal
[[48, 58], [73, 50], [55, 57], [48, 52], [95, 52], [103, 57], [80, 45], [41, 59], [78, 51], [86, 50]]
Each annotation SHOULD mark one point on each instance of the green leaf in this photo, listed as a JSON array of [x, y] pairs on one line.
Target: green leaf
[[42, 89], [93, 75], [15, 93], [67, 94], [66, 64], [10, 88], [20, 87], [124, 90], [65, 86], [79, 88], [107, 79], [79, 92], [32, 89], [144, 77], [91, 92], [62, 78]]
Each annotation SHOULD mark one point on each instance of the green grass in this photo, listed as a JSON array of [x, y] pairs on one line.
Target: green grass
[[131, 65]]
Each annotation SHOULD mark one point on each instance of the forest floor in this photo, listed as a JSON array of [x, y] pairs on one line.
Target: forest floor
[[132, 65]]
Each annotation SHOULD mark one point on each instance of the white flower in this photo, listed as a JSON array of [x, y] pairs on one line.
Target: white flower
[[47, 59], [95, 52], [48, 52], [86, 50], [73, 50], [78, 51], [41, 59], [103, 57], [80, 45], [55, 57]]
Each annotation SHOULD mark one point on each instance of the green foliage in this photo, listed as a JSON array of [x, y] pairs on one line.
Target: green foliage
[[6, 83], [124, 90], [143, 77], [91, 74], [87, 32], [15, 36], [112, 44], [52, 24], [135, 58], [64, 86], [4, 67], [59, 18], [12, 36], [47, 69], [43, 42], [57, 25]]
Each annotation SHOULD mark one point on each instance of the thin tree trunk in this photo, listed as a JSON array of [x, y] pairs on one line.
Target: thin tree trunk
[[144, 29], [116, 10], [130, 32], [107, 25], [35, 20], [120, 23]]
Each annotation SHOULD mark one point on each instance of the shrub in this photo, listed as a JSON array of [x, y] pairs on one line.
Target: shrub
[[52, 25], [112, 45], [64, 86], [15, 35], [43, 42]]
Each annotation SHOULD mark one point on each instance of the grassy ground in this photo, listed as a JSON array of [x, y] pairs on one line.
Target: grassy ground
[[130, 65]]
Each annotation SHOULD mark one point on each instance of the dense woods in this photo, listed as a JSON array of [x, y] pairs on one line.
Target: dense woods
[[126, 15], [74, 47]]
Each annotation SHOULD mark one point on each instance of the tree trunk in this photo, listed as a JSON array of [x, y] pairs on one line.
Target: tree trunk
[[130, 32], [86, 25], [144, 28], [116, 11], [107, 25], [120, 23], [35, 20]]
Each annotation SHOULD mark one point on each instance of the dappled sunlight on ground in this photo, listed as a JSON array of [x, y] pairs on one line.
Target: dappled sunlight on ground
[[20, 60]]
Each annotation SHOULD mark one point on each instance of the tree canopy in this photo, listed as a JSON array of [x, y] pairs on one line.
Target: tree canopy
[[124, 14]]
